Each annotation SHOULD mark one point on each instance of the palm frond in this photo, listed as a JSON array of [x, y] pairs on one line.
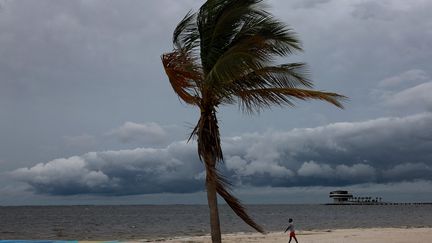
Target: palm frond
[[226, 15], [255, 100], [229, 24], [280, 39], [292, 75], [234, 64], [186, 35], [184, 75], [254, 49]]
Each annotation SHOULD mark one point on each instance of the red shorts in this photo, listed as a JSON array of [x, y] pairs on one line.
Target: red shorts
[[292, 234]]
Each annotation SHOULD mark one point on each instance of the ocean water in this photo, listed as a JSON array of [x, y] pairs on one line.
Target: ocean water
[[160, 221]]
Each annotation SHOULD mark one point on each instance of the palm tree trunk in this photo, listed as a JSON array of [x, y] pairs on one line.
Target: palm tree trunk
[[213, 207], [210, 151]]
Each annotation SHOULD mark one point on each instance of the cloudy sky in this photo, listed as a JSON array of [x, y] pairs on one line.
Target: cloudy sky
[[88, 116]]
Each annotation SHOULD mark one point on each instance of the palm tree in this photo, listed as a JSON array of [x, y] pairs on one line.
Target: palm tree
[[225, 54]]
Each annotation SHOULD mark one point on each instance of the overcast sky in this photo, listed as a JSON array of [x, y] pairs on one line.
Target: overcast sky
[[88, 115]]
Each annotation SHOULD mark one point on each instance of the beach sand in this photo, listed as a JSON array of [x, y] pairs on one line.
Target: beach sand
[[382, 235]]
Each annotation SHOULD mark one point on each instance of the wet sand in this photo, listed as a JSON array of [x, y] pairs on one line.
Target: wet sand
[[382, 235]]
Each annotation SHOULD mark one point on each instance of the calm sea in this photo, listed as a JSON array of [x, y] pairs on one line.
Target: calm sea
[[151, 222]]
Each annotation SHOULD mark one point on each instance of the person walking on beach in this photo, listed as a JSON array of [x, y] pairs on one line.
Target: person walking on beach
[[292, 231]]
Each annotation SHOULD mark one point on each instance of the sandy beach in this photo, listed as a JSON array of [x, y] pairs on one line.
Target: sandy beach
[[382, 235]]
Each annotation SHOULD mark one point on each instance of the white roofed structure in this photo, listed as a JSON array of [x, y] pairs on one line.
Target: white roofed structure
[[340, 196]]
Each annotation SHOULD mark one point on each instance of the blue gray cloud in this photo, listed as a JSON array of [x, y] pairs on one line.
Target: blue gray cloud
[[123, 172], [384, 150]]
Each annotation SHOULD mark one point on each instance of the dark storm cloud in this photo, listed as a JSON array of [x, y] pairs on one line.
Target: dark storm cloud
[[376, 151], [408, 171], [124, 172], [336, 154]]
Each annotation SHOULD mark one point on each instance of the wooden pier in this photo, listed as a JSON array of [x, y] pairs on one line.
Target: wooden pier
[[380, 203]]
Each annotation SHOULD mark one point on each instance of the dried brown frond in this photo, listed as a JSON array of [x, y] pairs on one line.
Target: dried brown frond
[[223, 189], [183, 75]]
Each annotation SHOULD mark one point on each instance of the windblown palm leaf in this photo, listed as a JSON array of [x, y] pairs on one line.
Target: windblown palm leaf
[[225, 54]]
